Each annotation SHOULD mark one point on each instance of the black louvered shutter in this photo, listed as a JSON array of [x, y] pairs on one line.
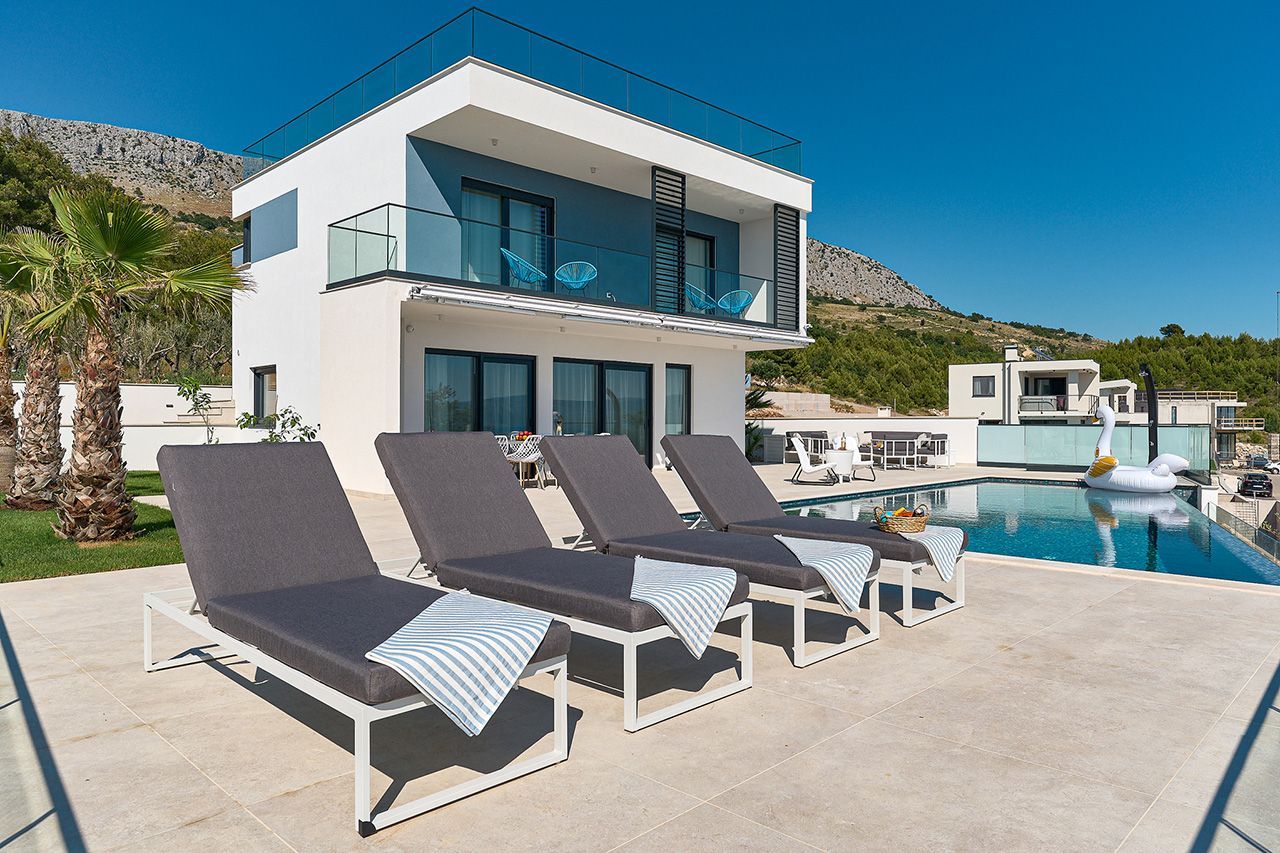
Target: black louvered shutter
[[786, 266], [668, 240]]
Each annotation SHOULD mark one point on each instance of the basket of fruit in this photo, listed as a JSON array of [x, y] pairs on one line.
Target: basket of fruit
[[902, 520]]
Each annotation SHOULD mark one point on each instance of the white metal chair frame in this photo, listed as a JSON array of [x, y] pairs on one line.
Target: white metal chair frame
[[806, 466], [905, 450], [799, 599], [909, 570], [527, 453], [934, 449], [631, 641], [172, 603]]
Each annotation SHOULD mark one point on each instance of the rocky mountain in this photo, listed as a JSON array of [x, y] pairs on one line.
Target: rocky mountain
[[840, 273], [179, 174]]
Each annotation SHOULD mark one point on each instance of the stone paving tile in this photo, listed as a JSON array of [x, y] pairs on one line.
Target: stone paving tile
[[1090, 731], [235, 830], [69, 707], [708, 829], [1170, 826], [1239, 768], [877, 784], [583, 804]]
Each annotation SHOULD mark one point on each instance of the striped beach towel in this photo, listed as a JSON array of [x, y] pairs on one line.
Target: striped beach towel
[[464, 653], [944, 544], [843, 565], [691, 599]]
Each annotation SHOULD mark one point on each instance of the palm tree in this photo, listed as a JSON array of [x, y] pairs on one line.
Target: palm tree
[[118, 249], [9, 308], [32, 268]]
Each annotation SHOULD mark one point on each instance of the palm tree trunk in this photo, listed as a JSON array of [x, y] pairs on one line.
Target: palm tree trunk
[[94, 505], [39, 460], [8, 420]]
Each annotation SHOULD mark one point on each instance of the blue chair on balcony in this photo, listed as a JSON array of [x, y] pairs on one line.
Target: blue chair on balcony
[[699, 299], [735, 302], [576, 275], [523, 271]]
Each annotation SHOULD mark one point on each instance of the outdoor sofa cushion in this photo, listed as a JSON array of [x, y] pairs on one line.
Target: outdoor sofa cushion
[[763, 560], [324, 630], [593, 587], [261, 517]]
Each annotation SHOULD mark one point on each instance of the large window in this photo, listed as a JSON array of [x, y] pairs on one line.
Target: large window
[[264, 395], [679, 395], [605, 396], [498, 218], [466, 391], [984, 386]]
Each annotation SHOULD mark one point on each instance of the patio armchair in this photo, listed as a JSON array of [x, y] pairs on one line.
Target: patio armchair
[[282, 577], [735, 302], [733, 498], [476, 530], [700, 301], [575, 275], [527, 453], [626, 514], [806, 466], [523, 271]]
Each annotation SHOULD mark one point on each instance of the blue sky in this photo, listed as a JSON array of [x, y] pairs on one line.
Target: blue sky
[[1099, 166]]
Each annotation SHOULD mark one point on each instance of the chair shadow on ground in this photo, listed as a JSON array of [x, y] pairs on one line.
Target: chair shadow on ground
[[416, 744], [1238, 779], [60, 810]]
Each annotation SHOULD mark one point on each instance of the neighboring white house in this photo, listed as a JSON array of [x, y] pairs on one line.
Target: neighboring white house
[[494, 231], [1014, 391]]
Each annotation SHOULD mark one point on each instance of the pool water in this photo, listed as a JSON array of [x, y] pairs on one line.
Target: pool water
[[1067, 523]]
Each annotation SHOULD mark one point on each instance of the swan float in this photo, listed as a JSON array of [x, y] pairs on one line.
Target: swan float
[[1107, 473]]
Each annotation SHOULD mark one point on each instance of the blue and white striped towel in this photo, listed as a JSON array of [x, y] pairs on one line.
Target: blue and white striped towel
[[464, 653], [690, 598], [945, 545], [843, 565]]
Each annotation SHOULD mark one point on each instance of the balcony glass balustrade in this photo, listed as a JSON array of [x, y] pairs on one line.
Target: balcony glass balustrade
[[439, 247], [485, 36]]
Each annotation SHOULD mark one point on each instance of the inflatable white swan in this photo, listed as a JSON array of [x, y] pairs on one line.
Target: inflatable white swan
[[1107, 473]]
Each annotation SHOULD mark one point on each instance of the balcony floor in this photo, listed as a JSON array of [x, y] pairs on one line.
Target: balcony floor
[[1060, 709]]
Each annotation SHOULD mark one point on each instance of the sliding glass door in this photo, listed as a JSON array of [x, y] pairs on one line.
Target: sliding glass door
[[605, 396], [679, 395], [507, 236], [467, 391]]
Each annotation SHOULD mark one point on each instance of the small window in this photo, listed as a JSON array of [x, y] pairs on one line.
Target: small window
[[264, 395], [1173, 414], [984, 386]]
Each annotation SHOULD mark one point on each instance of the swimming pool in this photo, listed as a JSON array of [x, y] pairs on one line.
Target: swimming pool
[[1067, 523]]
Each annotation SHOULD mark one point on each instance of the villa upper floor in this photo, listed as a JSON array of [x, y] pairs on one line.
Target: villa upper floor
[[492, 164], [1017, 391]]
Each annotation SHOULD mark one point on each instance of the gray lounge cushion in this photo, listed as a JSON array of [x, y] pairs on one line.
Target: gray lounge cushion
[[890, 545], [721, 480], [261, 517], [593, 587], [764, 561], [733, 498], [459, 495], [610, 487], [324, 630]]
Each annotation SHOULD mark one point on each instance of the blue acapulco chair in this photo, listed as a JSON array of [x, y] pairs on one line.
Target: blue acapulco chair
[[576, 275], [699, 299], [523, 271], [735, 302]]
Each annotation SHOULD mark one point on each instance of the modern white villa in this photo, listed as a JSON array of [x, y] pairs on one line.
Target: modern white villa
[[1015, 391], [492, 230]]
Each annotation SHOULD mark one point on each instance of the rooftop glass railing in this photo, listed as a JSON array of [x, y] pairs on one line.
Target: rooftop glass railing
[[485, 36], [435, 246]]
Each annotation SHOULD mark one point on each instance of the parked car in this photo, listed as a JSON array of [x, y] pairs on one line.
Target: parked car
[[1255, 484], [1272, 467], [1257, 460]]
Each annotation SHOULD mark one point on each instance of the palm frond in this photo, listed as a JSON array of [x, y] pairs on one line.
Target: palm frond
[[211, 283], [118, 235]]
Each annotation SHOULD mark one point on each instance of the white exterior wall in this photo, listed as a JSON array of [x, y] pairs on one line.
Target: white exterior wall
[[1082, 378], [962, 433], [142, 404]]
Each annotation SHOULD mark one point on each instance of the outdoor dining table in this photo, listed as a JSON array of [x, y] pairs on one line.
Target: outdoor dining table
[[843, 460]]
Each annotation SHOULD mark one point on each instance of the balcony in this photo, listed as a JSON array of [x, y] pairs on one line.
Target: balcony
[[485, 36], [428, 246], [1057, 404], [1239, 424]]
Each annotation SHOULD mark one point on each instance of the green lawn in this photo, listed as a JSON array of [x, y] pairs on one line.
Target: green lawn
[[28, 548]]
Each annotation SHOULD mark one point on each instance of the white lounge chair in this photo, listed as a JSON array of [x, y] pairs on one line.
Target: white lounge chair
[[806, 466]]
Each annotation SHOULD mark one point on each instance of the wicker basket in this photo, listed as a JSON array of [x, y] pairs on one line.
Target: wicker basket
[[914, 523]]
